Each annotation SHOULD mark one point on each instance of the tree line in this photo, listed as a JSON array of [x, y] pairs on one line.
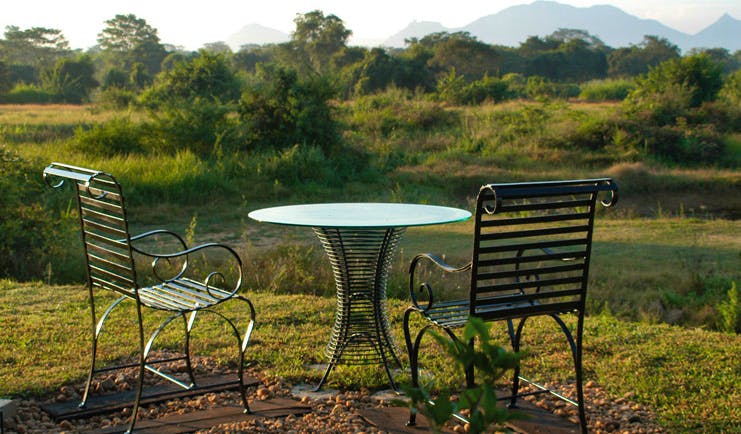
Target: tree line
[[38, 65]]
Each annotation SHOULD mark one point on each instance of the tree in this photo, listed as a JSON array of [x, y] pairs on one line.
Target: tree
[[71, 80], [280, 111], [38, 47], [127, 39], [638, 59], [317, 39], [217, 47], [191, 103], [470, 57]]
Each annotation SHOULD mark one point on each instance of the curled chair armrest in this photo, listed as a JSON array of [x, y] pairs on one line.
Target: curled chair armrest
[[425, 286], [180, 240], [207, 280]]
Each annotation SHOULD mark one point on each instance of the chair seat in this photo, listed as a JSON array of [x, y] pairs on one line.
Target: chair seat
[[454, 314], [181, 294]]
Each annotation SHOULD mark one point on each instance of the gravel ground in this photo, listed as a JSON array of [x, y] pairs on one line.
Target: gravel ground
[[336, 412]]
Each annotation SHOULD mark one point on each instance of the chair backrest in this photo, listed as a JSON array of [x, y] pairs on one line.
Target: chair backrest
[[105, 228], [532, 245]]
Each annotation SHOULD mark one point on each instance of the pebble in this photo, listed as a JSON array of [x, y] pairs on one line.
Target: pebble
[[337, 413]]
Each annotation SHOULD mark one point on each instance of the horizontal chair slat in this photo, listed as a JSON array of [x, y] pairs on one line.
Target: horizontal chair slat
[[528, 284], [532, 246], [87, 212], [534, 232], [104, 228], [91, 203], [109, 241], [532, 297], [530, 272], [520, 311], [534, 219], [515, 207], [104, 251], [560, 256], [122, 268]]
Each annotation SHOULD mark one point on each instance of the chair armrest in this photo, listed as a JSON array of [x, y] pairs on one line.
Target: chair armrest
[[207, 280], [180, 240], [425, 286]]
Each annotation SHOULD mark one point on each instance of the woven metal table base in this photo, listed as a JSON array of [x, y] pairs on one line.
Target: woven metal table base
[[360, 260]]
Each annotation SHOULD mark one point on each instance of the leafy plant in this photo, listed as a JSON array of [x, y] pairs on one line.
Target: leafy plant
[[490, 361], [729, 312]]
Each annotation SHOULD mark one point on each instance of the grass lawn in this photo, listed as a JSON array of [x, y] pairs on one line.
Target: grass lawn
[[688, 376]]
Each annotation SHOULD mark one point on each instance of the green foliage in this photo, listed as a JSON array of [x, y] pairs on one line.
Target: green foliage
[[729, 312], [38, 47], [28, 94], [119, 136], [730, 93], [606, 90], [490, 362], [697, 76], [638, 59], [278, 110], [191, 104], [128, 39], [31, 238], [454, 89], [70, 80], [317, 39], [207, 76]]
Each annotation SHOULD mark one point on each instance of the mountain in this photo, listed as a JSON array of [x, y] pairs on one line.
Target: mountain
[[614, 27], [726, 33], [256, 34], [415, 29]]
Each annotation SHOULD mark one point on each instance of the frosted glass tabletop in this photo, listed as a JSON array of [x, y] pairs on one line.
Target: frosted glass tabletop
[[360, 215]]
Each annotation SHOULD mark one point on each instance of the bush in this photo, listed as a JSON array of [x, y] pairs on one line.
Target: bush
[[114, 137], [31, 239], [277, 110], [28, 94], [606, 90]]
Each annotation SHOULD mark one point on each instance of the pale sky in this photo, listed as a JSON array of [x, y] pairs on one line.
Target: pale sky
[[191, 24]]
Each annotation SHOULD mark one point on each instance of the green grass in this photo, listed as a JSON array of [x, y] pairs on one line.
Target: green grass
[[689, 377], [667, 254]]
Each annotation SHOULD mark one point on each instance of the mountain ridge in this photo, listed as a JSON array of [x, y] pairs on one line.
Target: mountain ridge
[[513, 25]]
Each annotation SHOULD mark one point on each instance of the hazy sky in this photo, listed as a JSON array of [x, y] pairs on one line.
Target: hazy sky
[[191, 23]]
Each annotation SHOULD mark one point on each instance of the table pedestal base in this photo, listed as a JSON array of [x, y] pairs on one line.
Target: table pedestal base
[[360, 261]]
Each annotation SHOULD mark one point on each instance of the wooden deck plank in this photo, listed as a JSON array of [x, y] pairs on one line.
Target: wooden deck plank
[[111, 402], [205, 419]]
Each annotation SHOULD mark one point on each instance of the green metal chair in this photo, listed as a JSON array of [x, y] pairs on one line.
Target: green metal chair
[[177, 287], [531, 250]]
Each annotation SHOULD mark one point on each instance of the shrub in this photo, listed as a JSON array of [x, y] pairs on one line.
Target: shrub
[[606, 90], [277, 110], [28, 94], [30, 236], [117, 136]]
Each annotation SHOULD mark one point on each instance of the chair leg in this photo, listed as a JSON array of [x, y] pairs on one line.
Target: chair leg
[[515, 336], [576, 352], [97, 329], [140, 378], [242, 350], [413, 352], [188, 323], [579, 374]]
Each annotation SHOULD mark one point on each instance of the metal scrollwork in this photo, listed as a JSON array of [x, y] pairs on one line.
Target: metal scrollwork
[[47, 179], [430, 299], [102, 194], [491, 209], [613, 189], [207, 282]]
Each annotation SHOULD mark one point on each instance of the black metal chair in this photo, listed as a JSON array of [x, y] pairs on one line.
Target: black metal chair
[[531, 250], [185, 291]]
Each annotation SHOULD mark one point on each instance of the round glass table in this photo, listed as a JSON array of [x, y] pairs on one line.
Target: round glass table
[[360, 240]]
